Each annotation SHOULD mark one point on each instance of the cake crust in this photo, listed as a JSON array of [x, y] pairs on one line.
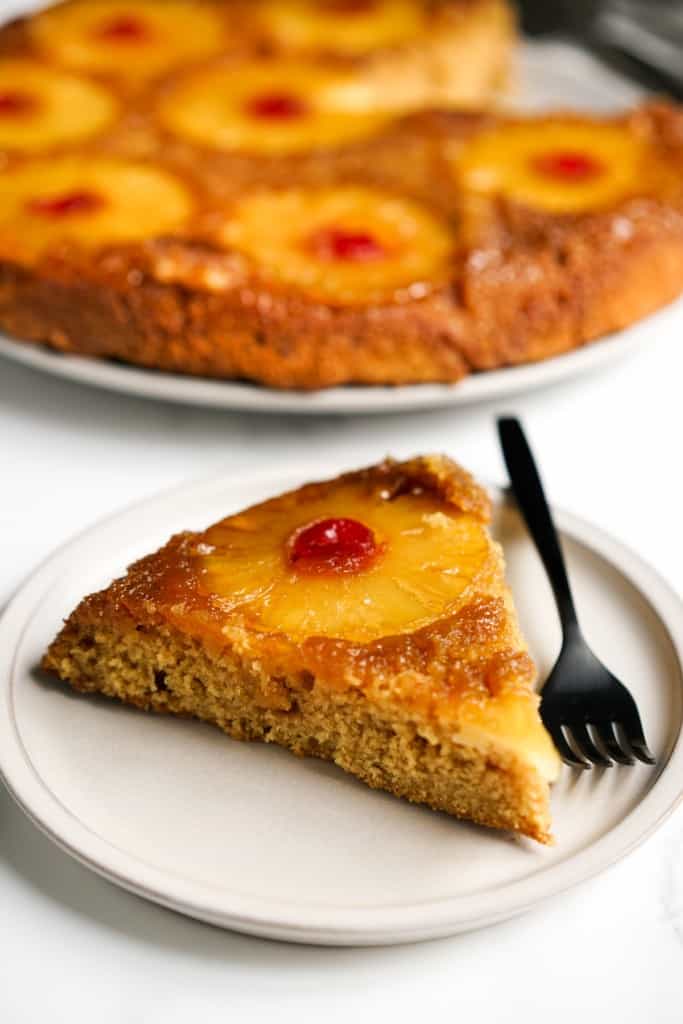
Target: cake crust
[[459, 686]]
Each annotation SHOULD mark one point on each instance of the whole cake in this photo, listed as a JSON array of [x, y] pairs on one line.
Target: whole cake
[[259, 191], [364, 620]]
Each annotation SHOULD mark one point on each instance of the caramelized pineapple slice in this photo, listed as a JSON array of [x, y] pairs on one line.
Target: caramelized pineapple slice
[[346, 564], [137, 38], [269, 107], [41, 108], [561, 166], [99, 202], [346, 27], [346, 245]]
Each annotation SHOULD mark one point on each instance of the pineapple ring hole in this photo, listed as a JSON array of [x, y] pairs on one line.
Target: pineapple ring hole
[[335, 244], [124, 28], [277, 106], [69, 204], [335, 545], [17, 103], [571, 166]]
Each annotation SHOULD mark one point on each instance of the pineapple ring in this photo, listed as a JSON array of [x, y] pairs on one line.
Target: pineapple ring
[[431, 559], [52, 107], [219, 107], [84, 35], [400, 243], [350, 28], [103, 201], [517, 161]]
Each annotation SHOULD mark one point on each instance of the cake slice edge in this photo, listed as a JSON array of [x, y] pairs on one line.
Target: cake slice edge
[[473, 773]]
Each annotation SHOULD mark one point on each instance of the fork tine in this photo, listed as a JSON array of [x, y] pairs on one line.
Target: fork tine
[[582, 739], [642, 752], [564, 750], [633, 730], [610, 742]]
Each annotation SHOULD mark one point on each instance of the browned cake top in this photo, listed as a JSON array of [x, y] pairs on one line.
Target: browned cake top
[[275, 173]]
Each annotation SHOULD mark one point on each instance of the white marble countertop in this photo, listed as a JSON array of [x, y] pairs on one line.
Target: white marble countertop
[[73, 947]]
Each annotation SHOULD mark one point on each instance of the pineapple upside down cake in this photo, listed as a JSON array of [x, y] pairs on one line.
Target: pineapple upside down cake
[[364, 620], [268, 191]]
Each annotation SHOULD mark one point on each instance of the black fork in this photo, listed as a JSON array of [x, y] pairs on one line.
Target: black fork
[[591, 716]]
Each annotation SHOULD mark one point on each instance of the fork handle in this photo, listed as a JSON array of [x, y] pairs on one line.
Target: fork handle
[[530, 497]]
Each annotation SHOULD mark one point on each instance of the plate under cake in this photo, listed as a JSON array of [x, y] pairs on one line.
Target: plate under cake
[[364, 620]]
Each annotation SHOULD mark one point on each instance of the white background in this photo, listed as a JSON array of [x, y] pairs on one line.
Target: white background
[[74, 948]]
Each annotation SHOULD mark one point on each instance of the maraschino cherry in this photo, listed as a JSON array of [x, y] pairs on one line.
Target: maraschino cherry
[[126, 28], [68, 204], [346, 246], [276, 106], [336, 545], [14, 103], [568, 166]]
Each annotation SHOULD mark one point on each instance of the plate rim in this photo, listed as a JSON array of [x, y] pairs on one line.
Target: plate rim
[[244, 396], [352, 925]]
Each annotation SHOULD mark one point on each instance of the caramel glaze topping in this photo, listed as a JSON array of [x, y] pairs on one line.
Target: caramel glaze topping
[[459, 660]]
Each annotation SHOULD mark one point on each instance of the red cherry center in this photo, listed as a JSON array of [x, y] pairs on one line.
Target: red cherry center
[[333, 546], [344, 246], [126, 28], [348, 6], [568, 165], [14, 103], [69, 204], [277, 106]]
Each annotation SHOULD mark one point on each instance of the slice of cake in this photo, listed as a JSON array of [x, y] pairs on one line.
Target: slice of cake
[[364, 620]]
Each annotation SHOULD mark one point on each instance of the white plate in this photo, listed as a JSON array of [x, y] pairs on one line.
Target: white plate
[[344, 400], [247, 836], [551, 75]]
